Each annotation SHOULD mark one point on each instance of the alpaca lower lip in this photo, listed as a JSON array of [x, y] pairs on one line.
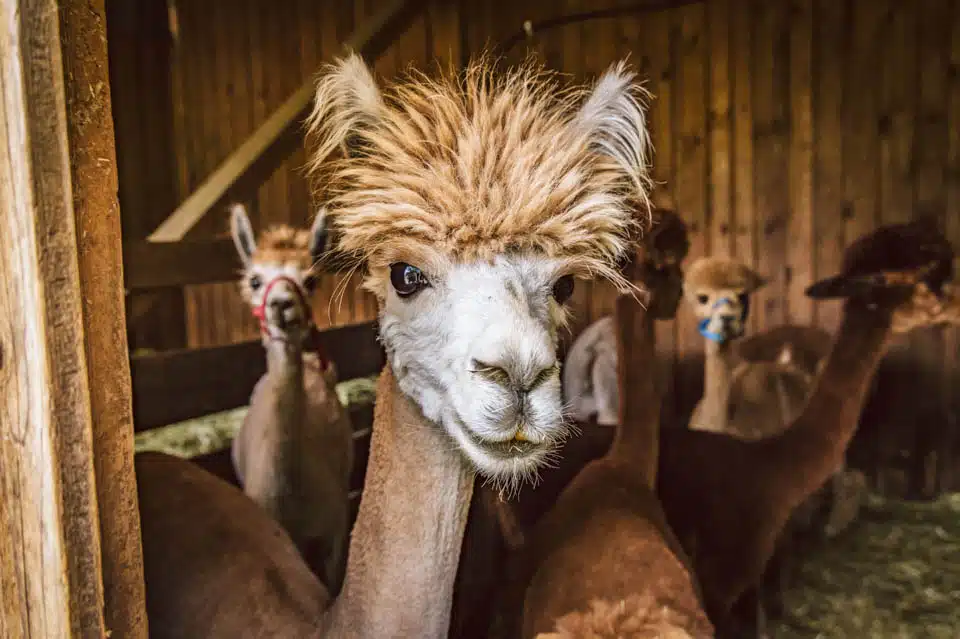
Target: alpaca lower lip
[[511, 448]]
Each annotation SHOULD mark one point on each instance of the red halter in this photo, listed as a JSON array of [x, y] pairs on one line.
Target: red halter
[[311, 344]]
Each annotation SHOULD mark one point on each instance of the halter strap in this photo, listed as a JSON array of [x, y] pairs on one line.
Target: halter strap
[[310, 343]]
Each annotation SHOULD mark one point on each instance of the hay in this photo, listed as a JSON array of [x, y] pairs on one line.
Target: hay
[[895, 573], [214, 432]]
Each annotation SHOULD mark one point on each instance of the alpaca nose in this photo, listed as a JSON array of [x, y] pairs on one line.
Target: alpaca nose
[[510, 377], [281, 304]]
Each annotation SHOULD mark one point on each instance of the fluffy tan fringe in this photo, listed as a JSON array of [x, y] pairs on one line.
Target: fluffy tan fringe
[[718, 273], [637, 617], [470, 165]]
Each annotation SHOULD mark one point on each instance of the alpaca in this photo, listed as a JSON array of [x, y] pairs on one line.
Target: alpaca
[[603, 561], [729, 499], [471, 202], [294, 452], [590, 370], [757, 396]]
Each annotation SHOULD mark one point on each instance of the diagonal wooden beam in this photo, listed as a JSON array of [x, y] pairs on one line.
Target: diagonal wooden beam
[[245, 169]]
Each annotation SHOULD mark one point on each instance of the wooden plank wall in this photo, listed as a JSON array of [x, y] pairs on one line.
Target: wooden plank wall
[[784, 128]]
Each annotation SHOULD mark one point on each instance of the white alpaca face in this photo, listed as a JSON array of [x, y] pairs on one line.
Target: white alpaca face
[[278, 277], [475, 345]]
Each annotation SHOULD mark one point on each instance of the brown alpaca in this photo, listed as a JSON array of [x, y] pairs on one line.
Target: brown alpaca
[[294, 453], [603, 558], [728, 500], [605, 545], [590, 383], [471, 202]]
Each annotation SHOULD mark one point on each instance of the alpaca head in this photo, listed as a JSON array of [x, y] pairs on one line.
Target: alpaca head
[[659, 259], [718, 290], [902, 270], [472, 203], [278, 274]]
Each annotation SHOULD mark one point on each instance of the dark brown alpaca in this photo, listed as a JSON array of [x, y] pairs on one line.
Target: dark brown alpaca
[[587, 570], [604, 561], [728, 500]]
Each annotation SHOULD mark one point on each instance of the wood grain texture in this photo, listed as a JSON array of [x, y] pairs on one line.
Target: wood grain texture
[[771, 112], [50, 571], [93, 170], [829, 94], [800, 231]]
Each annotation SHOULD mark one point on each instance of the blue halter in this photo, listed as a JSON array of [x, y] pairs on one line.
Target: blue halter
[[703, 325]]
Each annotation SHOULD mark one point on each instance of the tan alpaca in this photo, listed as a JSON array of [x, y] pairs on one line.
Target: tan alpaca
[[471, 202], [754, 398], [718, 291], [891, 280], [294, 452]]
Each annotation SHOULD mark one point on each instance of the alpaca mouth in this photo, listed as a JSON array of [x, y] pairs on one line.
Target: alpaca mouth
[[510, 449], [506, 450]]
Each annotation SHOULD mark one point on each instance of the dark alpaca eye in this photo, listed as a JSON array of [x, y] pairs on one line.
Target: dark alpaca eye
[[310, 282], [406, 279], [255, 282], [563, 289], [702, 299]]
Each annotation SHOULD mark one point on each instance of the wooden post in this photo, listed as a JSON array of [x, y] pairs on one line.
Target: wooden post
[[50, 562], [93, 167]]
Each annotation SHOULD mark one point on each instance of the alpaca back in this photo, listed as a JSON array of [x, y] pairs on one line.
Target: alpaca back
[[639, 558], [244, 580]]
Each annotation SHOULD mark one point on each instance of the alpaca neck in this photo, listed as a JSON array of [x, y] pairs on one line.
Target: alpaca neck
[[719, 363], [637, 437], [813, 447], [288, 427], [405, 545]]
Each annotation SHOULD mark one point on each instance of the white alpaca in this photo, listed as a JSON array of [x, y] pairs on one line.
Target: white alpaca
[[471, 202]]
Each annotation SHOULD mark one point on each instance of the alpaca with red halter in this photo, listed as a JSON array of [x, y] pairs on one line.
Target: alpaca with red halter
[[294, 452]]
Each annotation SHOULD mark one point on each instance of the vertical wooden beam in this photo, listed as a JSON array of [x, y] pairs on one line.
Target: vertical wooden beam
[[741, 38], [829, 53], [771, 104], [719, 128], [50, 573], [93, 173], [800, 233]]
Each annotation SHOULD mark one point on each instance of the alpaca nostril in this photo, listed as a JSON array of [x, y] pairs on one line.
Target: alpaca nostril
[[491, 372], [542, 376], [281, 304]]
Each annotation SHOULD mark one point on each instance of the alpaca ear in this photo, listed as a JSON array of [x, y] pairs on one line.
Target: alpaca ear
[[614, 118], [755, 281], [318, 236], [242, 233], [347, 101]]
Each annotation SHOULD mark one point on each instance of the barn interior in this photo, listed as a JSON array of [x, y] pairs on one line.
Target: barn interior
[[783, 130]]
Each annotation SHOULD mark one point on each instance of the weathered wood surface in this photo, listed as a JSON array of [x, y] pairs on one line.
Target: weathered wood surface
[[260, 154], [50, 568], [93, 170]]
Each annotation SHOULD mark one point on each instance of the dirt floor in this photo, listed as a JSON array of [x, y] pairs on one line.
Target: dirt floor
[[895, 574]]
